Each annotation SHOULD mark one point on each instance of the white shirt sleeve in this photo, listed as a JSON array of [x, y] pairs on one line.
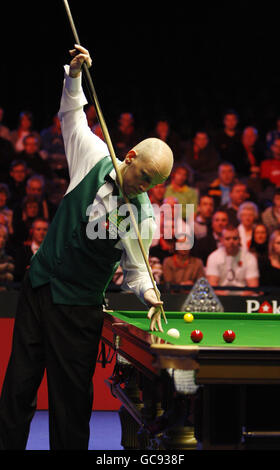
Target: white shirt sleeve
[[82, 147], [136, 275]]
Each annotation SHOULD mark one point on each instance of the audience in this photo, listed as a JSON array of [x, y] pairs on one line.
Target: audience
[[271, 216], [182, 268], [238, 194], [203, 158], [179, 189], [270, 168], [247, 215], [230, 264], [270, 266], [220, 188], [259, 242], [203, 216], [205, 245], [231, 180]]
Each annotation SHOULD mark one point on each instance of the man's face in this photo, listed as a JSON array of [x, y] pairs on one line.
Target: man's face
[[219, 221], [230, 121], [249, 137], [201, 140], [206, 207], [34, 188], [231, 241], [31, 145], [40, 229], [238, 194], [139, 176], [180, 176], [18, 173], [226, 175], [159, 191]]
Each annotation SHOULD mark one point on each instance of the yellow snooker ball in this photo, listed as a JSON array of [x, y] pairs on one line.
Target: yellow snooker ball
[[188, 317]]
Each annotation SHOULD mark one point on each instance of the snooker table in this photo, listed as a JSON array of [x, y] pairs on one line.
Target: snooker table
[[177, 394]]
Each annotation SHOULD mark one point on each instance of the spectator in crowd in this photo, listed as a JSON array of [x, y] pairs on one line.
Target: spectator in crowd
[[203, 159], [270, 267], [6, 261], [156, 194], [35, 186], [220, 188], [182, 268], [126, 135], [170, 226], [97, 130], [179, 189], [228, 140], [251, 152], [51, 138], [5, 132], [238, 194], [203, 216], [259, 243], [22, 225], [24, 252], [205, 245], [272, 135], [231, 265], [32, 157], [25, 127], [248, 215], [271, 215], [4, 209], [17, 182], [270, 168], [164, 132], [7, 154]]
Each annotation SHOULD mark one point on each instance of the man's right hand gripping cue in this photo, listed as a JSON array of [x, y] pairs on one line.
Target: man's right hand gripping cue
[[154, 313], [80, 55]]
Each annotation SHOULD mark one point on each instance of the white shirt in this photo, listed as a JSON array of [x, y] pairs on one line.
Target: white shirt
[[83, 151], [232, 270]]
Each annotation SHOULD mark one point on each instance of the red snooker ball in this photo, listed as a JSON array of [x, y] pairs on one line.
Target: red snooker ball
[[196, 336], [229, 336]]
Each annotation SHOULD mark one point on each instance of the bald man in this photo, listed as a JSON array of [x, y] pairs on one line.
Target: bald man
[[60, 310]]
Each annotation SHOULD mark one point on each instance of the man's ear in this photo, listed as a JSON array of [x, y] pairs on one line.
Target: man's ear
[[130, 156]]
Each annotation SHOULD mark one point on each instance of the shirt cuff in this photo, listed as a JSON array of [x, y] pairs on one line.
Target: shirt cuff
[[73, 85]]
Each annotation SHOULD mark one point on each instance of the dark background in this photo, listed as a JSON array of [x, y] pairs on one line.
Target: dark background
[[187, 62]]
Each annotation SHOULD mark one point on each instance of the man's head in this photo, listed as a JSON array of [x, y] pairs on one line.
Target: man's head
[[249, 136], [201, 140], [39, 230], [230, 120], [219, 222], [18, 171], [179, 176], [230, 240], [35, 186], [238, 194], [206, 207], [149, 163], [226, 174], [31, 144]]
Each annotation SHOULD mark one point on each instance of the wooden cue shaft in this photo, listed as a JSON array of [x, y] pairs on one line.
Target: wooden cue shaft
[[111, 151]]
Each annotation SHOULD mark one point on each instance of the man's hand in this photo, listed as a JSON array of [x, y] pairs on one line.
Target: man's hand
[[80, 55], [154, 313]]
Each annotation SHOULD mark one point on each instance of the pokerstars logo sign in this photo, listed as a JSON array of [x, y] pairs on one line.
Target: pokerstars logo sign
[[264, 307]]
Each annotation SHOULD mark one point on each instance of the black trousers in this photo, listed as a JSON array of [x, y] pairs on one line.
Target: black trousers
[[63, 340]]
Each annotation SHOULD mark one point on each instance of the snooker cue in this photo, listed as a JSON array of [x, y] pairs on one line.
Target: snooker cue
[[107, 138]]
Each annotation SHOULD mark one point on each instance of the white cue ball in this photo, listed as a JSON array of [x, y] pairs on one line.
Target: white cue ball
[[173, 332]]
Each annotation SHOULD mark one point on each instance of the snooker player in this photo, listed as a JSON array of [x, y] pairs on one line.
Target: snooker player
[[60, 309]]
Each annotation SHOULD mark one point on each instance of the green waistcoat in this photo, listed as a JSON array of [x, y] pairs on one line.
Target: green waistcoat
[[78, 268]]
